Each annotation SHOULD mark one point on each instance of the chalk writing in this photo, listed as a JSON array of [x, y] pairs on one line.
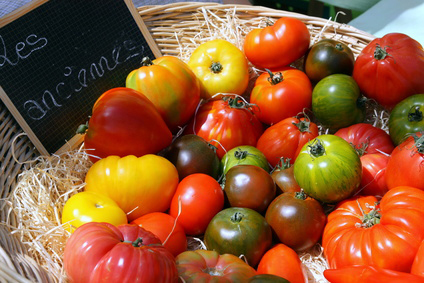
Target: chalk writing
[[22, 49]]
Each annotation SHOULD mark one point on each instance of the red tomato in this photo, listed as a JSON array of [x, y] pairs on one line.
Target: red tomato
[[282, 94], [391, 68], [283, 177], [226, 123], [124, 122], [101, 252], [166, 228], [373, 181], [367, 139], [282, 261], [277, 45], [387, 235], [170, 85], [200, 197], [406, 164], [286, 138], [418, 264]]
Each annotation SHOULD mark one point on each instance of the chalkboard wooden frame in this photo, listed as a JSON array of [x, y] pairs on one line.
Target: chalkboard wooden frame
[[76, 139]]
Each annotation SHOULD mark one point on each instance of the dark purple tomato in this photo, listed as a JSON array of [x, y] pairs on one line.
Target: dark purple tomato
[[283, 177]]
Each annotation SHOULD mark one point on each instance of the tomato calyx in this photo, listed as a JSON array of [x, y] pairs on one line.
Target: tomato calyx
[[146, 61], [236, 217], [137, 243], [415, 115], [303, 126], [216, 67], [213, 271], [274, 78], [316, 148], [339, 47], [371, 218], [419, 143], [361, 149], [301, 195], [380, 53], [283, 164]]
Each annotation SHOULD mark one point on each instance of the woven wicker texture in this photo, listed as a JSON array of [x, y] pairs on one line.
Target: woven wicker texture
[[177, 28]]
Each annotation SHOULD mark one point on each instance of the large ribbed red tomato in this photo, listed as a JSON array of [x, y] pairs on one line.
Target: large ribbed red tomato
[[226, 123], [361, 231]]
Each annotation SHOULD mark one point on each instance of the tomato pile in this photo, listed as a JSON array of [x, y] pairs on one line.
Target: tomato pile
[[257, 174]]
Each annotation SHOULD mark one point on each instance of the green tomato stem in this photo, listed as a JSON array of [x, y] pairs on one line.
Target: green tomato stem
[[146, 61], [137, 243], [274, 78], [415, 116], [237, 217], [303, 126], [380, 53], [301, 195], [82, 128], [419, 142], [216, 67], [339, 46], [316, 148]]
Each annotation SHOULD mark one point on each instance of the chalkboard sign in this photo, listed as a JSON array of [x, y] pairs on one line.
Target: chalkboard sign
[[57, 57]]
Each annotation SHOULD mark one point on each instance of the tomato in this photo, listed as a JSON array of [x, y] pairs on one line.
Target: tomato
[[328, 169], [369, 274], [170, 85], [196, 201], [221, 67], [138, 185], [101, 252], [192, 154], [210, 266], [337, 102], [249, 186], [282, 94], [387, 235], [86, 207], [226, 123], [166, 228], [373, 181], [244, 154], [297, 220], [283, 177], [277, 45], [239, 231], [406, 118], [286, 138], [367, 139], [406, 163], [391, 68], [327, 57], [282, 261], [267, 278], [125, 122], [417, 267]]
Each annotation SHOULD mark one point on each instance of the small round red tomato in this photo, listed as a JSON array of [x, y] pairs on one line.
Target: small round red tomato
[[296, 219], [281, 94], [226, 123], [210, 266], [239, 231], [196, 201], [327, 57], [286, 138], [277, 45], [406, 163], [283, 177], [101, 252], [166, 228], [283, 261], [249, 186], [373, 182], [367, 139], [125, 122]]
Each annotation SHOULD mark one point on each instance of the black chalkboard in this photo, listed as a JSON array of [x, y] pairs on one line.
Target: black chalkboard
[[59, 57]]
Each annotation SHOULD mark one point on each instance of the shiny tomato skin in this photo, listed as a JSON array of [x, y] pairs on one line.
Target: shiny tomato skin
[[244, 155], [96, 252], [239, 231], [210, 266], [373, 182], [407, 117], [406, 163], [297, 220], [170, 85], [390, 68], [286, 138], [226, 123], [283, 177], [192, 154], [125, 122], [166, 228], [391, 242], [327, 57], [277, 45], [201, 198], [249, 186], [271, 263], [418, 264], [284, 93]]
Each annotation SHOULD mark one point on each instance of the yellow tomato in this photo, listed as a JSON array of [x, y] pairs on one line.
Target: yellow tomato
[[87, 207], [139, 185], [221, 67]]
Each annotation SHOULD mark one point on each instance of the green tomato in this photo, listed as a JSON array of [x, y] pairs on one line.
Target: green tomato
[[328, 168], [244, 155], [406, 118], [337, 102]]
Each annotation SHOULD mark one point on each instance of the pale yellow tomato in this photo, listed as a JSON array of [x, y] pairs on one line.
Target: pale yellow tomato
[[87, 207]]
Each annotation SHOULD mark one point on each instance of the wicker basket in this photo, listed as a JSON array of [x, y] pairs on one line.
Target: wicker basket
[[177, 28]]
